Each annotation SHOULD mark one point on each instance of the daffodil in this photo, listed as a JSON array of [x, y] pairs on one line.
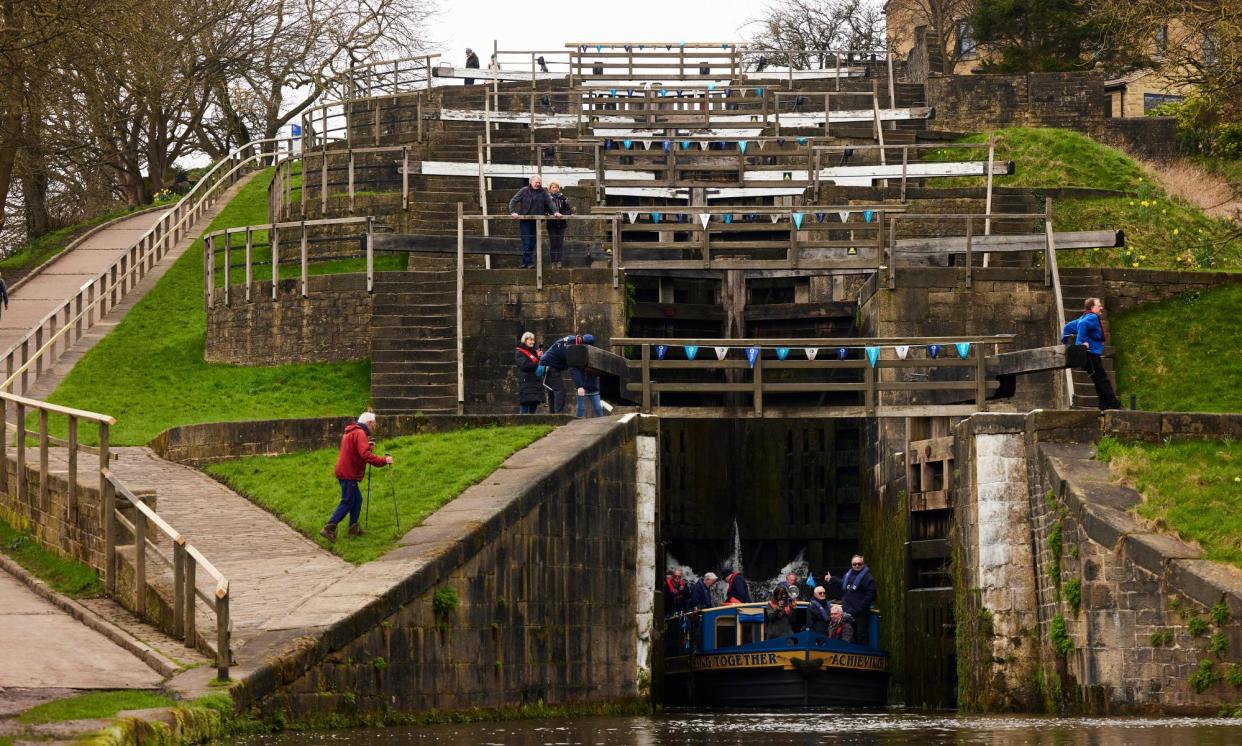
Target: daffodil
[[1175, 231]]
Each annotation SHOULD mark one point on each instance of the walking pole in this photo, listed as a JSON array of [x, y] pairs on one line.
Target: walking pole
[[392, 480], [366, 521]]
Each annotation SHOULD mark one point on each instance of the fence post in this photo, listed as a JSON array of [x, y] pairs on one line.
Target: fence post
[[109, 507], [140, 560], [274, 238], [538, 255], [647, 378], [616, 251], [20, 443], [249, 252], [970, 253], [405, 178], [72, 475], [370, 257], [188, 588], [209, 277], [483, 189], [4, 450], [228, 272], [461, 281], [223, 654], [179, 585], [43, 473], [981, 388], [305, 263]]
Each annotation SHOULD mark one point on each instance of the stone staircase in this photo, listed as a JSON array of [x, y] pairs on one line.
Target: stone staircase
[[1077, 285], [413, 342]]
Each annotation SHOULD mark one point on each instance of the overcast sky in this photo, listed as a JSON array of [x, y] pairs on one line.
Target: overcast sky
[[549, 25]]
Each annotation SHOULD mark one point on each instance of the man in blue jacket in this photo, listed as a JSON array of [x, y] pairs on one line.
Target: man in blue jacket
[[554, 364], [701, 592], [1089, 332]]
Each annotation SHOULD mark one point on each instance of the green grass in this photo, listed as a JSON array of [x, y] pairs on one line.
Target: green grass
[[1227, 168], [93, 706], [1046, 157], [1184, 354], [1190, 488], [430, 470], [149, 371], [1161, 232], [65, 576], [54, 242]]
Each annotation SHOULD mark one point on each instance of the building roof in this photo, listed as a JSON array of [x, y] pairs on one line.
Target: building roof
[[1128, 78]]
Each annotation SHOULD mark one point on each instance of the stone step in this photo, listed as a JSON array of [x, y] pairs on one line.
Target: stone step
[[410, 344], [430, 359]]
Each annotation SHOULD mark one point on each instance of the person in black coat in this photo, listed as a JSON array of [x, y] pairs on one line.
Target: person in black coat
[[676, 594], [555, 363], [556, 228], [701, 592], [737, 591], [531, 200], [820, 611], [530, 389], [472, 61], [859, 593]]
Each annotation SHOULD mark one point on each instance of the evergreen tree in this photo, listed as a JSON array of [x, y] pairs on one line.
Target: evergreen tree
[[1037, 35]]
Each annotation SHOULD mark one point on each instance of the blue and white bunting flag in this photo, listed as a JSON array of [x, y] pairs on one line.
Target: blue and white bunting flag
[[721, 352], [797, 219], [873, 354], [661, 351], [741, 145], [811, 352], [902, 351], [705, 218], [691, 351], [728, 218], [752, 354], [842, 353], [655, 217], [782, 353], [868, 214], [628, 144], [963, 349], [933, 351], [844, 215], [633, 217]]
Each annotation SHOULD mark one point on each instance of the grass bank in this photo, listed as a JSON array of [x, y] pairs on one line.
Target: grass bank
[[93, 705], [430, 470], [1184, 354], [1161, 232], [1192, 489], [68, 577], [149, 371]]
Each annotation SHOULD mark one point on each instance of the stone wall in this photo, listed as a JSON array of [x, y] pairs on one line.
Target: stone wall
[[197, 445], [521, 590], [1104, 600], [501, 304], [1145, 137], [973, 103], [934, 301], [1127, 289], [332, 323], [69, 528]]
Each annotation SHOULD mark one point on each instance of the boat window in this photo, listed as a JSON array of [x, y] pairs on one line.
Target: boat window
[[752, 632], [726, 631]]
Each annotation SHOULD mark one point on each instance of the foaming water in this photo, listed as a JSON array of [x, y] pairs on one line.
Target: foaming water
[[771, 728]]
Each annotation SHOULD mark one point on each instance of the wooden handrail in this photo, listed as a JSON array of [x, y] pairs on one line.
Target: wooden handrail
[[854, 342], [81, 414]]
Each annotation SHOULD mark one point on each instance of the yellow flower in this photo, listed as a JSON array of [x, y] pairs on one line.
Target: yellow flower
[[1175, 231], [1164, 212], [1144, 203], [1131, 203], [1143, 257], [1135, 264]]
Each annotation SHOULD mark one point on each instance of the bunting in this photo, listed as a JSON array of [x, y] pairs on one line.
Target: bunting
[[842, 353], [873, 355], [728, 218], [868, 214], [661, 351], [721, 352], [752, 354], [963, 349], [741, 145], [844, 214], [821, 217], [705, 218], [633, 217], [797, 219], [667, 145], [655, 217], [902, 351], [782, 353], [775, 217], [933, 351], [811, 352], [691, 351], [628, 144], [685, 144]]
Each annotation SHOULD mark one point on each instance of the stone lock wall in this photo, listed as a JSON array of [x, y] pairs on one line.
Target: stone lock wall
[[1127, 289], [332, 323], [501, 304], [973, 103], [520, 590], [69, 528]]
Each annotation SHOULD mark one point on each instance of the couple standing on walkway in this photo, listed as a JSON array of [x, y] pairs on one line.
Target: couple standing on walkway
[[532, 200]]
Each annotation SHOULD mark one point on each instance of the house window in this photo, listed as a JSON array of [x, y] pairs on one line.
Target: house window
[[966, 46], [1210, 53], [1162, 40], [1152, 100]]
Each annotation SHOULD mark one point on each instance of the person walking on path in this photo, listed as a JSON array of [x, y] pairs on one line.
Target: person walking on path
[[1089, 332], [530, 390], [531, 199], [472, 62], [860, 593], [351, 463], [556, 228], [4, 293]]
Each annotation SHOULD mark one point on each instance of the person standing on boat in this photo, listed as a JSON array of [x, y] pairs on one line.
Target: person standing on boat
[[701, 592], [790, 581], [820, 610], [779, 614], [675, 596], [840, 625], [736, 591], [351, 464], [859, 594]]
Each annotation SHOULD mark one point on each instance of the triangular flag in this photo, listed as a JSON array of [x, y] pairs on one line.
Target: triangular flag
[[797, 218], [661, 351], [705, 218], [633, 217], [775, 217], [963, 349], [629, 91], [728, 218], [842, 353], [728, 91], [655, 217], [724, 46], [721, 352], [845, 215], [741, 145], [685, 144], [821, 217], [760, 144], [599, 47], [612, 92], [711, 86], [902, 351], [933, 351], [811, 352], [868, 214], [667, 145], [752, 354], [691, 351], [759, 91], [802, 141], [873, 354], [782, 353], [663, 92], [628, 144]]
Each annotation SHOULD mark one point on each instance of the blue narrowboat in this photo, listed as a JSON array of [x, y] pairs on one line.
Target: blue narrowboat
[[723, 657]]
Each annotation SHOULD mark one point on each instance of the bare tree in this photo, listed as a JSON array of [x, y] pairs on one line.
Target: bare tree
[[943, 23], [806, 33]]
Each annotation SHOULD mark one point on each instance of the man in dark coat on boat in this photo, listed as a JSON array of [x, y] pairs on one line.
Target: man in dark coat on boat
[[701, 592], [736, 591], [779, 613], [859, 594], [676, 595]]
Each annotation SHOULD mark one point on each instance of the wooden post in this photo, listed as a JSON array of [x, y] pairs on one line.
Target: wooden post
[[869, 395], [461, 283], [647, 378], [970, 253], [758, 381], [140, 561], [179, 584], [323, 180], [905, 159], [72, 475], [188, 588], [43, 473], [223, 653], [616, 251], [892, 254], [274, 236], [370, 257], [351, 182], [109, 510], [4, 450], [483, 189], [209, 258], [981, 388], [249, 255], [305, 263], [539, 255], [405, 178], [987, 206], [20, 443]]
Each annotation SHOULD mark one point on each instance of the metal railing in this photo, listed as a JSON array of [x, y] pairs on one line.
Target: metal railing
[[780, 356], [115, 497]]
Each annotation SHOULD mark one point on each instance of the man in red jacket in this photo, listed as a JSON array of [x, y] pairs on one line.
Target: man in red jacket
[[351, 463]]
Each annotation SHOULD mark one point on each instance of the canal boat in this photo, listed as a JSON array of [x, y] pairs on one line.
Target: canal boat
[[723, 657]]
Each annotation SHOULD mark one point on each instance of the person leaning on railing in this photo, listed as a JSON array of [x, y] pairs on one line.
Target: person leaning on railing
[[530, 200]]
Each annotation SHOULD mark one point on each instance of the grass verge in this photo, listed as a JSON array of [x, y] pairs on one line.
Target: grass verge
[[1190, 488], [93, 706], [149, 371], [1185, 354], [71, 578], [1046, 157], [430, 470]]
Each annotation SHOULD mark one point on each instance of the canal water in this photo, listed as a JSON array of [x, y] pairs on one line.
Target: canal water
[[797, 728]]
